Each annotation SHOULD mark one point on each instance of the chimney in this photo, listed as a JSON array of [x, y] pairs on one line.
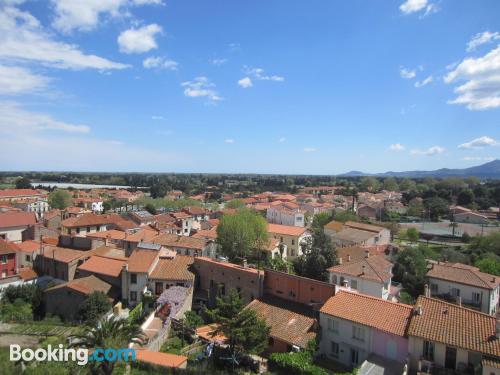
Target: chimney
[[344, 284], [459, 300], [340, 261], [348, 257], [426, 290], [367, 253], [363, 269], [497, 329], [419, 310], [245, 264]]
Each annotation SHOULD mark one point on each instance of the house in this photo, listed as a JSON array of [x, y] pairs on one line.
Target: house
[[352, 233], [199, 214], [142, 217], [292, 325], [447, 336], [37, 205], [160, 359], [127, 240], [370, 275], [8, 259], [135, 274], [371, 212], [471, 217], [64, 300], [171, 271], [275, 249], [463, 284], [186, 245], [13, 224], [315, 208], [106, 269], [309, 292], [185, 221], [216, 277], [59, 262], [13, 195], [52, 219], [27, 252], [293, 237], [355, 327], [88, 223], [287, 213]]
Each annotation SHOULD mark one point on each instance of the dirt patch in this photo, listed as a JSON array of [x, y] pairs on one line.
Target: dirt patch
[[24, 341]]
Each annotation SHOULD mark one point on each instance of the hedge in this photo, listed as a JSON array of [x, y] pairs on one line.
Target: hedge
[[295, 363]]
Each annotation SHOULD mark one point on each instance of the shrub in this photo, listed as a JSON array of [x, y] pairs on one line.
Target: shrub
[[295, 363]]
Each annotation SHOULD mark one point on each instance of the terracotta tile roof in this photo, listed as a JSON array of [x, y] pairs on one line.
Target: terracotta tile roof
[[208, 333], [208, 234], [62, 254], [51, 214], [50, 240], [455, 326], [160, 359], [363, 226], [491, 362], [176, 268], [102, 265], [110, 252], [17, 219], [287, 230], [7, 247], [141, 260], [90, 219], [74, 209], [28, 246], [173, 240], [85, 285], [112, 234], [180, 215], [226, 265], [289, 322], [164, 218], [370, 311], [353, 235], [463, 274], [334, 225], [8, 193], [125, 225], [356, 253], [27, 273], [194, 210], [375, 268]]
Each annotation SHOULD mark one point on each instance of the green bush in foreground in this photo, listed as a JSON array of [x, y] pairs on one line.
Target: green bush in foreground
[[295, 363]]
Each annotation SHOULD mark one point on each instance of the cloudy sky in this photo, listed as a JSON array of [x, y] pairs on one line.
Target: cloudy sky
[[267, 86]]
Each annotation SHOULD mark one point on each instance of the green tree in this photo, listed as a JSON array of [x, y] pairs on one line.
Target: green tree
[[390, 184], [437, 207], [242, 234], [370, 184], [235, 203], [150, 208], [318, 255], [489, 265], [412, 234], [465, 197], [92, 309], [246, 332], [192, 320], [321, 219], [23, 183], [410, 269], [487, 244], [60, 199], [28, 293], [108, 333], [344, 216]]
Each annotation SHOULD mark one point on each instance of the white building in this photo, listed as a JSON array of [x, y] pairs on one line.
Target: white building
[[287, 213], [460, 283], [371, 276]]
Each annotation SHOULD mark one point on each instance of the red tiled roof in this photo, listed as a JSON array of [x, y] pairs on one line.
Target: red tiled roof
[[176, 268], [141, 260], [375, 268], [7, 247], [370, 311], [8, 193], [209, 333], [102, 265], [363, 226], [455, 325], [85, 285], [160, 359], [17, 219], [463, 274], [287, 230], [29, 246], [62, 254], [206, 234], [27, 273], [173, 240], [90, 219], [226, 264]]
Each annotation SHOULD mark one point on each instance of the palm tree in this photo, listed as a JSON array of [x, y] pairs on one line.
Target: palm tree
[[107, 333]]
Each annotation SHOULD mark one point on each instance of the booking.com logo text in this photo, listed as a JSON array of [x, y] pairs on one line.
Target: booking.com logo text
[[79, 355]]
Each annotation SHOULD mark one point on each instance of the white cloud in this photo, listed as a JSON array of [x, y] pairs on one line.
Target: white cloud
[[139, 40], [481, 90], [258, 74], [217, 62], [229, 141], [482, 38], [411, 6], [407, 73], [310, 149], [16, 120], [245, 82], [431, 151], [396, 147], [282, 139], [424, 82], [480, 142], [17, 80], [157, 117], [23, 38], [478, 158], [86, 15], [155, 62], [201, 87]]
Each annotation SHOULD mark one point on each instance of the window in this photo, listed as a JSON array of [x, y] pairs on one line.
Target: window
[[133, 278], [358, 333], [222, 289], [334, 279], [4, 259], [341, 281], [354, 284], [476, 297], [434, 288], [354, 357], [428, 350], [293, 242], [333, 325], [88, 229], [455, 292], [158, 288], [28, 258], [334, 349], [133, 296]]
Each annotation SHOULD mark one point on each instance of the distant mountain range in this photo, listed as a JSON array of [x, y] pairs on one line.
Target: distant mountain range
[[487, 170]]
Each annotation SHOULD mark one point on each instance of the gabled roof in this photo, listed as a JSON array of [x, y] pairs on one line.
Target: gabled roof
[[176, 268], [160, 358], [62, 254], [463, 274], [353, 235], [17, 219], [290, 322], [287, 230], [102, 265], [455, 325], [363, 226], [28, 246], [386, 316], [375, 268], [12, 193], [7, 247], [85, 285], [90, 219], [173, 240], [337, 226], [141, 260]]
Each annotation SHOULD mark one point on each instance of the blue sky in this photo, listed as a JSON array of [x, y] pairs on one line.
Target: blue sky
[[316, 87]]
